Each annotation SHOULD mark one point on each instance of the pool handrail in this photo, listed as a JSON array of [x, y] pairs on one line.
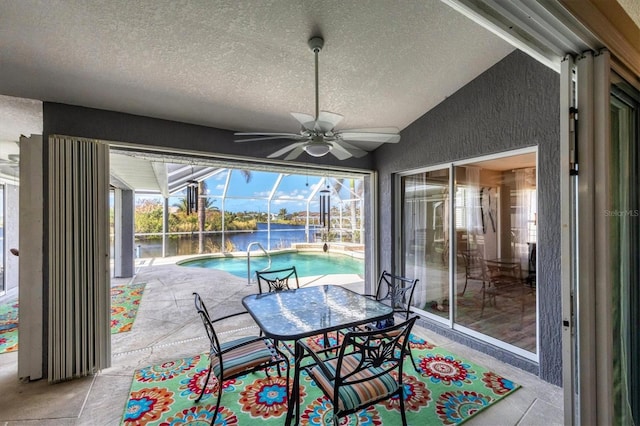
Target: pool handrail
[[249, 259]]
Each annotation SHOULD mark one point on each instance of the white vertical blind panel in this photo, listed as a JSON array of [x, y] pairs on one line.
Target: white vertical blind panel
[[30, 355], [585, 291], [602, 233], [79, 297]]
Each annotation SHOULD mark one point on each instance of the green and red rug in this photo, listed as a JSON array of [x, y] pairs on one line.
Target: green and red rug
[[125, 300], [448, 391], [9, 327]]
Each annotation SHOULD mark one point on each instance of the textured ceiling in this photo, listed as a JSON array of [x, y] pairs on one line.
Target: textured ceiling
[[243, 65]]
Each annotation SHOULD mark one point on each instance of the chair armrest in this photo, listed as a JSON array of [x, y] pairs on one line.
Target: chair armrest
[[316, 357], [229, 316]]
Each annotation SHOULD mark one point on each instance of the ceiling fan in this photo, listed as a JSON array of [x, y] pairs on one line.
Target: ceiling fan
[[318, 136]]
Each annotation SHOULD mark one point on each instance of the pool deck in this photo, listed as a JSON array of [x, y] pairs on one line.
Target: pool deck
[[168, 328]]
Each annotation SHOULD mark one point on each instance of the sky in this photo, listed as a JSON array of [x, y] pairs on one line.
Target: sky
[[292, 192]]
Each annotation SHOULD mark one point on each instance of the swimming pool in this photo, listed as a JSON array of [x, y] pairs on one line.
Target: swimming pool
[[307, 264]]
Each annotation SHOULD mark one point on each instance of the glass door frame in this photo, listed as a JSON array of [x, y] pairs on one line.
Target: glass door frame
[[398, 261]]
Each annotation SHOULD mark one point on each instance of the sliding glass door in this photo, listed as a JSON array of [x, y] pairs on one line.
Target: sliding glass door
[[625, 243], [425, 236], [482, 240]]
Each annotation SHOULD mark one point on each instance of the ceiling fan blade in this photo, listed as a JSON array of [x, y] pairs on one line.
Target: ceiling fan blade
[[370, 137], [340, 152], [266, 138], [295, 153], [307, 121], [352, 150], [372, 130], [264, 134], [286, 149], [327, 121]]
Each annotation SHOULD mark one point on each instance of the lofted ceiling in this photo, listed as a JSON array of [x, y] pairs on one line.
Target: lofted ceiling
[[237, 65]]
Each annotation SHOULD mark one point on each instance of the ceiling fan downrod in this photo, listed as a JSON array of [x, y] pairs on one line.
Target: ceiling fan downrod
[[316, 44]]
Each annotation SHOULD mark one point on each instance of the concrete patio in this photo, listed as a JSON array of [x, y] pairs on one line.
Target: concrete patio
[[168, 328]]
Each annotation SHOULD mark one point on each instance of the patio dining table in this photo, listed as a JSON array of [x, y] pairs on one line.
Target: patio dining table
[[309, 311]]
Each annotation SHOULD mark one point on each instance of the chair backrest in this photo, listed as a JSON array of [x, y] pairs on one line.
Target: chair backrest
[[382, 349], [532, 257], [277, 280], [474, 265], [208, 325], [397, 290]]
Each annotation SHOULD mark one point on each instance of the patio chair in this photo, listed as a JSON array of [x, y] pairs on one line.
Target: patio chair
[[397, 292], [361, 374], [277, 280], [474, 268], [238, 357]]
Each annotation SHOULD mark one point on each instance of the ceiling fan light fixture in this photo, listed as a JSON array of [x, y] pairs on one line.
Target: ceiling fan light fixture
[[317, 149]]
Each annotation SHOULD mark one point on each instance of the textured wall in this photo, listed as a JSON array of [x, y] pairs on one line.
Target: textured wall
[[514, 104]]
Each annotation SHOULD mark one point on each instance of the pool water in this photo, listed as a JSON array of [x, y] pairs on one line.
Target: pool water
[[307, 264]]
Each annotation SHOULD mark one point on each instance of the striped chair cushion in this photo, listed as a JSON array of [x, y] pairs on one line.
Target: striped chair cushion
[[243, 358], [353, 396]]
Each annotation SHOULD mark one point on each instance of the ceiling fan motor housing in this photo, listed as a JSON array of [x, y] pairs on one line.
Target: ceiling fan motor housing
[[316, 44]]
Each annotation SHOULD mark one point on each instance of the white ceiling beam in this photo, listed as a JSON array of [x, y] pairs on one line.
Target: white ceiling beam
[[160, 172], [119, 182]]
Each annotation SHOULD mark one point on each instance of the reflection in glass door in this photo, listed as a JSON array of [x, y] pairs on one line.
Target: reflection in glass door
[[483, 240], [496, 215], [425, 236], [625, 243]]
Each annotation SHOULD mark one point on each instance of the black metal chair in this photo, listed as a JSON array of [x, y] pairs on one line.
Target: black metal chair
[[277, 280], [238, 357], [397, 292], [474, 268], [361, 374]]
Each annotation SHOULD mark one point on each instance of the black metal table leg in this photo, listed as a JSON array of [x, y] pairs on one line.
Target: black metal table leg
[[294, 398]]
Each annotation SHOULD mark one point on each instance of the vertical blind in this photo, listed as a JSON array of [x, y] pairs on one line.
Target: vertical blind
[[79, 297]]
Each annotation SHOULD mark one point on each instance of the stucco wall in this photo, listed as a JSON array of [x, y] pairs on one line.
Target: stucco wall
[[514, 104]]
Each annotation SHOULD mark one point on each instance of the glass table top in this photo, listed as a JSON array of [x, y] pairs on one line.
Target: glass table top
[[303, 312]]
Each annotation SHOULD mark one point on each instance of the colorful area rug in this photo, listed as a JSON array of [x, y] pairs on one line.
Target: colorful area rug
[[9, 327], [125, 300], [447, 391]]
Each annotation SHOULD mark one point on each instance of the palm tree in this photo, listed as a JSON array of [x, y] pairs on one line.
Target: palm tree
[[246, 174], [204, 204]]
